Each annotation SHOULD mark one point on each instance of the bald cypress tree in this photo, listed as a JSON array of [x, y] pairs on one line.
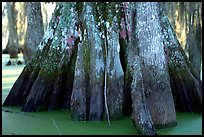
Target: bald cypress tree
[[106, 60]]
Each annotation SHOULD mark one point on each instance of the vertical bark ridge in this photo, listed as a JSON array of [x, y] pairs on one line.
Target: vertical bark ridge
[[140, 115], [155, 73]]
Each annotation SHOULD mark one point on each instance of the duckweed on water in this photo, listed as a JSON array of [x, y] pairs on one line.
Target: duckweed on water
[[36, 123]]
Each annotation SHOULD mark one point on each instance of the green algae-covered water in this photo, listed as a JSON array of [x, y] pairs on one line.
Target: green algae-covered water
[[15, 122], [48, 122], [58, 122]]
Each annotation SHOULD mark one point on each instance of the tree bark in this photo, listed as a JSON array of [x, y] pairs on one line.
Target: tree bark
[[94, 87], [79, 99], [140, 113], [35, 29], [77, 66], [115, 74], [155, 73], [21, 24], [39, 90], [12, 44], [96, 66], [144, 40]]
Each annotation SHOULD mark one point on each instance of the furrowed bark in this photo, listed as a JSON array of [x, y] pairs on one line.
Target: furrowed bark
[[78, 97], [96, 67], [35, 30], [48, 79], [115, 75], [155, 73], [43, 87], [78, 66], [140, 115]]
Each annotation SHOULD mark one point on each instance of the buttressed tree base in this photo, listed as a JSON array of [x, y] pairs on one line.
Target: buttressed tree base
[[105, 60]]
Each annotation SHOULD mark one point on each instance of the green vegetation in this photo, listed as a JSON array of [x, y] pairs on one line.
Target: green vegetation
[[46, 122]]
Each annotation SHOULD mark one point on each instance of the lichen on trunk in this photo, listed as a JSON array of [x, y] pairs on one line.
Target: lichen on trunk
[[78, 96], [77, 66], [140, 113], [115, 75], [35, 29], [39, 88], [96, 66], [156, 78]]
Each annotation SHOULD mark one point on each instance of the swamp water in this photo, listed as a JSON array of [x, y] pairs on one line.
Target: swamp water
[[15, 122]]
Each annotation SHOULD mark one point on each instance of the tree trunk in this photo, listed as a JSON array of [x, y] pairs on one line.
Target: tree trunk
[[140, 113], [21, 24], [93, 110], [115, 74], [194, 40], [96, 67], [155, 73], [182, 15], [40, 87], [93, 90], [35, 29], [173, 14], [185, 83], [77, 66], [79, 97], [12, 44], [143, 39]]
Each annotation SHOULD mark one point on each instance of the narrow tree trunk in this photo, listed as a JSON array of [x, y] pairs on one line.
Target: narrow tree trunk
[[96, 67], [194, 40], [35, 29], [79, 98], [79, 95], [21, 25], [173, 14], [182, 15], [12, 44], [115, 75]]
